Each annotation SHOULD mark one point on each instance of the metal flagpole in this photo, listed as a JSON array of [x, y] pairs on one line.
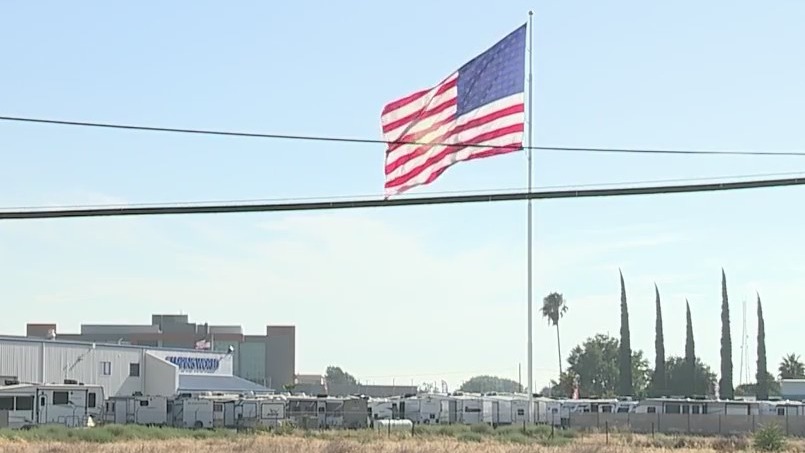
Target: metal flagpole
[[529, 241]]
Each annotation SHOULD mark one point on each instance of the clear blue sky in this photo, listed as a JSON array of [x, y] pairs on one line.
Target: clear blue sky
[[417, 293]]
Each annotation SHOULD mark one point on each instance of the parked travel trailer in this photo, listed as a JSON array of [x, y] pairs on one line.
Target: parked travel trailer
[[191, 412], [559, 412], [379, 409], [505, 408], [328, 412], [469, 408], [64, 404], [233, 411], [782, 408], [420, 409], [140, 410], [696, 406]]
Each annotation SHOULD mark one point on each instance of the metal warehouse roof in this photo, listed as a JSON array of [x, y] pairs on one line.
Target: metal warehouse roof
[[206, 383]]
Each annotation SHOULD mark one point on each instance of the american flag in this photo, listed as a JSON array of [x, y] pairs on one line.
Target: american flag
[[482, 105]]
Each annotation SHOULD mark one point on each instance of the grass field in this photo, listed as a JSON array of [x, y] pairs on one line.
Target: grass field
[[452, 439]]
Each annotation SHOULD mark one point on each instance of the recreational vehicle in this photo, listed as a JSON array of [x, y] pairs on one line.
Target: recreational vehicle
[[379, 409], [328, 412], [246, 412], [469, 408], [505, 408], [64, 404], [191, 412], [140, 410]]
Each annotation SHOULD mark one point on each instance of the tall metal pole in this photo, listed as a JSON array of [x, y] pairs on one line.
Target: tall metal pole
[[529, 241]]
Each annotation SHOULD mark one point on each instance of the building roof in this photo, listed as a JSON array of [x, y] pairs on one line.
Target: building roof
[[98, 344], [217, 383]]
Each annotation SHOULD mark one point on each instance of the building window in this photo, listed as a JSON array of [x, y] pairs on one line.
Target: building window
[[91, 399], [7, 403], [143, 403], [106, 368], [25, 403], [134, 369], [61, 398]]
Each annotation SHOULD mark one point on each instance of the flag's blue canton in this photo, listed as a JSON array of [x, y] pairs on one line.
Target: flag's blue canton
[[494, 74]]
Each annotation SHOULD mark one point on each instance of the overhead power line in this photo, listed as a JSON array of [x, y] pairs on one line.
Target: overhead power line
[[377, 203], [320, 138]]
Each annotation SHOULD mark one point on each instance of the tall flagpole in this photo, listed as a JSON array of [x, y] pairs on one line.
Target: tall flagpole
[[529, 241]]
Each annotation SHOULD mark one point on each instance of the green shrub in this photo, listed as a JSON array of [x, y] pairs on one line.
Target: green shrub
[[481, 428], [770, 438], [471, 437]]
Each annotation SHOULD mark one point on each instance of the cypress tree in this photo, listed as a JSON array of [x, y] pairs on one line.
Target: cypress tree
[[725, 389], [658, 381], [762, 375], [690, 354], [625, 351]]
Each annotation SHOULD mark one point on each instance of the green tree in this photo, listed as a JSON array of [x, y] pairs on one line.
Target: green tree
[[689, 375], [679, 381], [725, 389], [336, 376], [762, 375], [553, 309], [751, 388], [791, 367], [658, 379], [483, 384], [594, 362], [625, 378]]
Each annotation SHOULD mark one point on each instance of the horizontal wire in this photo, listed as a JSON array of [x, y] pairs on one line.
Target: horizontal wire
[[383, 203], [408, 195], [320, 138]]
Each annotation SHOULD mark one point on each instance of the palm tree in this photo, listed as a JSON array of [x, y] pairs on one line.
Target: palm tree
[[553, 309], [791, 367]]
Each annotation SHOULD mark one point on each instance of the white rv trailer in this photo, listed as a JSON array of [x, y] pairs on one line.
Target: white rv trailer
[[505, 408], [235, 411], [379, 409], [140, 410], [469, 407], [431, 409], [696, 406], [71, 405], [424, 409], [328, 412], [191, 412], [560, 411], [782, 408]]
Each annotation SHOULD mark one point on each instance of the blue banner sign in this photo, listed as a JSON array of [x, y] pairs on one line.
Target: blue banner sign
[[195, 364]]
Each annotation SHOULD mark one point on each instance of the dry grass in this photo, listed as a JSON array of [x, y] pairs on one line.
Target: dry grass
[[370, 442], [294, 444]]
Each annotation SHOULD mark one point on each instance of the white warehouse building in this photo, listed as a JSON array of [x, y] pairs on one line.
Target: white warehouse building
[[122, 370]]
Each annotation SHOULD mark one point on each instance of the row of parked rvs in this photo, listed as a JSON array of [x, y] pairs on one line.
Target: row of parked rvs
[[74, 405], [504, 409]]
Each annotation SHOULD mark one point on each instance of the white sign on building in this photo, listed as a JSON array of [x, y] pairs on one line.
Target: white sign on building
[[197, 362]]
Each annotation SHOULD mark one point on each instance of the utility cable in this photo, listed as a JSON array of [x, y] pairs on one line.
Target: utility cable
[[319, 138], [397, 202]]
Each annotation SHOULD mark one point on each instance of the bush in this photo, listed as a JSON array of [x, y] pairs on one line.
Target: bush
[[471, 437], [482, 428], [770, 438], [730, 444]]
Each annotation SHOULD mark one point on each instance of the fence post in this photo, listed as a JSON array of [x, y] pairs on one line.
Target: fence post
[[786, 421], [719, 424], [652, 430], [413, 427], [606, 428]]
